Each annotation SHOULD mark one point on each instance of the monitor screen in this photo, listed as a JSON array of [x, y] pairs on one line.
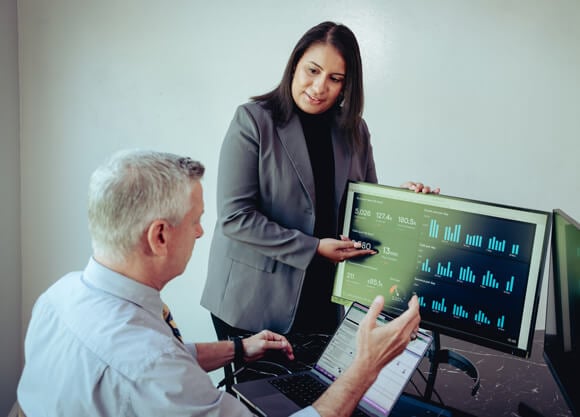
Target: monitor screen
[[562, 337], [476, 267]]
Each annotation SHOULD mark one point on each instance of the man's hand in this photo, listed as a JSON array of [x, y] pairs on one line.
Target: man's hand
[[378, 345], [256, 346]]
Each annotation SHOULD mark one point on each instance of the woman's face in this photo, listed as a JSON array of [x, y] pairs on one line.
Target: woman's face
[[318, 79]]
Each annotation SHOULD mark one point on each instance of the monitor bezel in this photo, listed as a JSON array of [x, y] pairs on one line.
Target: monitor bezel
[[473, 337], [553, 343]]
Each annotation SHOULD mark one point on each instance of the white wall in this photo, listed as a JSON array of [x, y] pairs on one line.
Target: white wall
[[10, 274], [479, 97]]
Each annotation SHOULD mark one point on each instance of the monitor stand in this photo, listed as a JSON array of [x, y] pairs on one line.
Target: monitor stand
[[437, 356]]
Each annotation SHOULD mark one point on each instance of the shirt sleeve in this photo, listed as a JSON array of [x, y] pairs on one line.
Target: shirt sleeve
[[176, 386], [192, 349], [306, 412]]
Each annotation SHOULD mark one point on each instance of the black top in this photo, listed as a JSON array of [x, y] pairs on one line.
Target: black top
[[316, 313]]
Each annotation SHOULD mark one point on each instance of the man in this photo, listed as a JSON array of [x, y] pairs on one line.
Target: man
[[98, 344]]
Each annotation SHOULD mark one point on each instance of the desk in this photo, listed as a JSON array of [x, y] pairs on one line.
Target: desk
[[506, 381]]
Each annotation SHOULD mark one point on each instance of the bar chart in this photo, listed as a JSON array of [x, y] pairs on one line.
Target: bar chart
[[459, 311], [439, 306], [480, 317], [489, 281]]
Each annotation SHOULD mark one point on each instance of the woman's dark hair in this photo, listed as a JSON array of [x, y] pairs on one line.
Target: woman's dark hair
[[349, 104]]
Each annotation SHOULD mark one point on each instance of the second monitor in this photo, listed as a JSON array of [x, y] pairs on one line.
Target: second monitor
[[475, 266]]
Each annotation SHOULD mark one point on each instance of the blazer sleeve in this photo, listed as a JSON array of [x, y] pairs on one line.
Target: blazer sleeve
[[243, 204]]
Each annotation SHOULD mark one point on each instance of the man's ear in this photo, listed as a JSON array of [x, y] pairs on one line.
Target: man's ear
[[157, 237]]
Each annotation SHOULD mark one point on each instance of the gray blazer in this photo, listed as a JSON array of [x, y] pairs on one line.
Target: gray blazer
[[262, 242]]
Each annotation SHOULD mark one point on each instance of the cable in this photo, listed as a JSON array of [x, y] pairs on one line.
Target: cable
[[251, 368], [302, 344], [434, 390], [269, 363], [234, 374], [416, 387]]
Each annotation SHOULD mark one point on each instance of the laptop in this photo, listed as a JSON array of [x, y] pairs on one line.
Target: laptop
[[271, 397]]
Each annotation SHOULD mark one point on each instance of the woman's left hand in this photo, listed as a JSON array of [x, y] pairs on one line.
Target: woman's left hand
[[419, 187]]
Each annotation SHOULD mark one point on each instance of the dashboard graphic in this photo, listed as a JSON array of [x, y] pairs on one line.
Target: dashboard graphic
[[475, 266]]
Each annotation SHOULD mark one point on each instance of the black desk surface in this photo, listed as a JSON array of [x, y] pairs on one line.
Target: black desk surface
[[506, 381]]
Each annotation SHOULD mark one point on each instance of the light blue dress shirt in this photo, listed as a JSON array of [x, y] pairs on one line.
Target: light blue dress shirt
[[97, 345]]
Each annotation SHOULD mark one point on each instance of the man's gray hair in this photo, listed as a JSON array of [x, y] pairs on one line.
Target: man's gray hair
[[132, 189]]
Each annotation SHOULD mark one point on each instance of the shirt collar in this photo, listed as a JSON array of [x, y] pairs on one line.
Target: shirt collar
[[107, 280]]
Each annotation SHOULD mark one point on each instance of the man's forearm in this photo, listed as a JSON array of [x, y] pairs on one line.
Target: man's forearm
[[342, 397], [211, 356]]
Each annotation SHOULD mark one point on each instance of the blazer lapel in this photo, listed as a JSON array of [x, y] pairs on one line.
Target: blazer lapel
[[341, 163], [292, 138]]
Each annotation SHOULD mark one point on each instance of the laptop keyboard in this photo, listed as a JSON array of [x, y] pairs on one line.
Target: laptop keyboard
[[303, 389]]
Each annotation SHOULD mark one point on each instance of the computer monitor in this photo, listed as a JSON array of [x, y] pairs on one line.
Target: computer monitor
[[476, 267], [562, 336]]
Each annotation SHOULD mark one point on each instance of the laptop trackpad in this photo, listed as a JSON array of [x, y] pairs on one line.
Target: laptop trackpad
[[276, 405]]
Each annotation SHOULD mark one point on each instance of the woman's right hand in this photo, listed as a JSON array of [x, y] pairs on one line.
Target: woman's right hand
[[339, 250]]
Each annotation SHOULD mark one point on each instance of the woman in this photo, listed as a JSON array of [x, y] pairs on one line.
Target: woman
[[284, 167]]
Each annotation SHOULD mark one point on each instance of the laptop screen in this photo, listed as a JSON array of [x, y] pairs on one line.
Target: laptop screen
[[393, 378]]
